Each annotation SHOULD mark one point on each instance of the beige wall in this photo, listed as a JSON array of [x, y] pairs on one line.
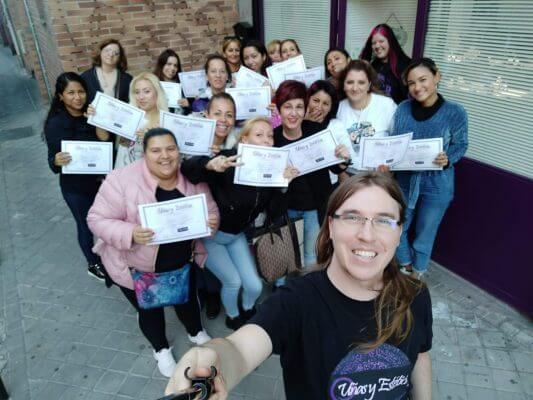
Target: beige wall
[[68, 30]]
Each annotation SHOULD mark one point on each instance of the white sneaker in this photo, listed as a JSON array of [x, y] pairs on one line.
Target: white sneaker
[[201, 338], [165, 362]]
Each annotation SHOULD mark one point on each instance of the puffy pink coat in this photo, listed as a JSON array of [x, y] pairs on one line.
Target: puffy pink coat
[[114, 214]]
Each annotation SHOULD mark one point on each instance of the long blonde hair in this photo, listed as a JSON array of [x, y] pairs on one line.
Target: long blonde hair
[[392, 311], [249, 124], [161, 98]]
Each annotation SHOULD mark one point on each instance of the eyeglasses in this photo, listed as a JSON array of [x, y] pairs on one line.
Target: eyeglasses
[[111, 52], [380, 224]]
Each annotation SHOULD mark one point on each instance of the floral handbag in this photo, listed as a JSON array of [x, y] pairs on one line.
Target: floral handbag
[[160, 289]]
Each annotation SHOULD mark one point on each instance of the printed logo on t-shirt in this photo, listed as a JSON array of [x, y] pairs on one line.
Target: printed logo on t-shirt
[[382, 373], [386, 83], [359, 130]]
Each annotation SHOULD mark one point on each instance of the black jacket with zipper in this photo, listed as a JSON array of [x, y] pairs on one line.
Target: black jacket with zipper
[[239, 205]]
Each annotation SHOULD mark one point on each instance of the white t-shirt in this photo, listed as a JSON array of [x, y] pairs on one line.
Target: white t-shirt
[[374, 120]]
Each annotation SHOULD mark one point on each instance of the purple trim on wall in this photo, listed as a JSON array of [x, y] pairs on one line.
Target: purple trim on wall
[[422, 15], [486, 235], [258, 17], [341, 24], [333, 27]]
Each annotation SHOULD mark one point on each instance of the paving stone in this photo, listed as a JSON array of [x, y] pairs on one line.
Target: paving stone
[[526, 380], [110, 382], [473, 355], [447, 372], [133, 386], [478, 376], [452, 391], [102, 357], [468, 336], [523, 360], [479, 393], [493, 339], [500, 359], [79, 375], [123, 362]]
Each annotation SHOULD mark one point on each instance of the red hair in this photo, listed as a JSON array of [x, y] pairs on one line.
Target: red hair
[[290, 90]]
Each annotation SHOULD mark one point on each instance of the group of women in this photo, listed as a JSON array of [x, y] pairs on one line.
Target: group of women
[[353, 238]]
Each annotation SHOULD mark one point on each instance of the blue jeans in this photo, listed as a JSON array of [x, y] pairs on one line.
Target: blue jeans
[[230, 260], [429, 210], [79, 204], [311, 228]]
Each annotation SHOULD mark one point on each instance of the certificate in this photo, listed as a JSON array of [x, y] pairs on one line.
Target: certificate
[[194, 135], [193, 83], [420, 155], [172, 92], [88, 157], [262, 166], [176, 220], [246, 78], [251, 102], [308, 77], [314, 152], [276, 73], [116, 116], [376, 151]]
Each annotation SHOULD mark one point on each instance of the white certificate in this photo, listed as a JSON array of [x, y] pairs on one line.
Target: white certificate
[[116, 116], [194, 135], [246, 78], [95, 158], [376, 151], [314, 152], [193, 83], [262, 166], [420, 155], [172, 92], [276, 73], [176, 220], [251, 102], [308, 77]]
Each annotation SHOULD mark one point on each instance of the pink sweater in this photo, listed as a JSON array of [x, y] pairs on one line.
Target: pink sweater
[[114, 214]]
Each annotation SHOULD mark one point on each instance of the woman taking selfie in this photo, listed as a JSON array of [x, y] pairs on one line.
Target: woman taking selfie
[[356, 327], [66, 121], [124, 244], [385, 54], [428, 193]]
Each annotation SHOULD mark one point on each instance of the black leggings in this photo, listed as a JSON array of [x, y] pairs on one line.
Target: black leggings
[[152, 322]]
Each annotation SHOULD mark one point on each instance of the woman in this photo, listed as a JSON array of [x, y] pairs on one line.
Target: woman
[[124, 244], [230, 259], [108, 73], [145, 93], [274, 51], [221, 108], [355, 328], [167, 68], [218, 74], [65, 121], [322, 102], [428, 193], [307, 194], [254, 56], [289, 49], [388, 59], [335, 60], [231, 48], [364, 112]]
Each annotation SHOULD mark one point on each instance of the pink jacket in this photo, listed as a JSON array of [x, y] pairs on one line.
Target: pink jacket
[[114, 214]]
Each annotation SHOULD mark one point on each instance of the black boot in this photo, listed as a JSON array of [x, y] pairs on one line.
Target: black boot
[[212, 305], [234, 323], [247, 314]]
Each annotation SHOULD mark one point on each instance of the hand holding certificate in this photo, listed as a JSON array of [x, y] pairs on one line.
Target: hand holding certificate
[[246, 78], [420, 156], [193, 83], [88, 157], [314, 152], [251, 102], [176, 220], [276, 73], [194, 135], [261, 166], [172, 92], [376, 151], [115, 116], [308, 77]]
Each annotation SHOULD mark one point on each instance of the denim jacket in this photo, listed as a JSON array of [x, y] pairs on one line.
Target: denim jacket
[[451, 123]]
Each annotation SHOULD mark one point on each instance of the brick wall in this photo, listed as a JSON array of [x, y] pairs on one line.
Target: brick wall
[[68, 31]]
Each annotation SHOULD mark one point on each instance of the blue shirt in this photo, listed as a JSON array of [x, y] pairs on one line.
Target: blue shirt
[[450, 123]]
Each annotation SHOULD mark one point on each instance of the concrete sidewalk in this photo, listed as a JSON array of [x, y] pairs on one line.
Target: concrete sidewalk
[[68, 337]]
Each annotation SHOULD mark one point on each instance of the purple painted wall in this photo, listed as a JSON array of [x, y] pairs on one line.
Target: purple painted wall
[[487, 233]]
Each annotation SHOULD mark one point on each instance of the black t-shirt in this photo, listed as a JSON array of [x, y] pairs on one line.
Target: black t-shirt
[[314, 327], [172, 256]]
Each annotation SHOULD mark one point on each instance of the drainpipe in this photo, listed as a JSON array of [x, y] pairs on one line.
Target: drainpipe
[[38, 50]]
